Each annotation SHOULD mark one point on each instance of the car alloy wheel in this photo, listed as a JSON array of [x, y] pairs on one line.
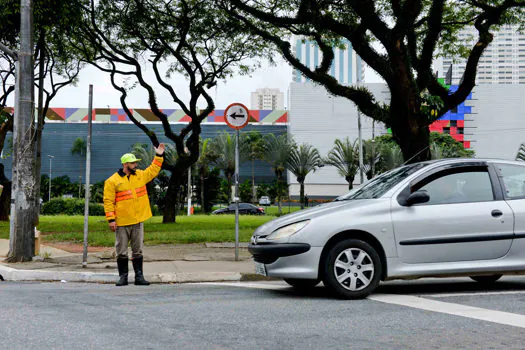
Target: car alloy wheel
[[352, 269]]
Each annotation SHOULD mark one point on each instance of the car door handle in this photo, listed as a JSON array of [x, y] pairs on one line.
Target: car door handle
[[496, 213]]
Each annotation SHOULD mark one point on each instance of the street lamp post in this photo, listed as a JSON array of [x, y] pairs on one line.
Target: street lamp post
[[50, 165]]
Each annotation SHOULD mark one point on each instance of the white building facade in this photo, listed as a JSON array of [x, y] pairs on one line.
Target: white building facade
[[318, 118], [267, 99], [503, 61], [347, 67]]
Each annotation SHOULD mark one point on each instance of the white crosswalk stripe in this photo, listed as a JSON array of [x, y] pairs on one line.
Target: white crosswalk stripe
[[418, 302], [505, 318]]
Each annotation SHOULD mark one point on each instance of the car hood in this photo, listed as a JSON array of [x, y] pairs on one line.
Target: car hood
[[311, 213]]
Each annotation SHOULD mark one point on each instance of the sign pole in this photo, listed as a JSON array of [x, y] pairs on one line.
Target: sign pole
[[88, 178], [237, 196], [236, 116]]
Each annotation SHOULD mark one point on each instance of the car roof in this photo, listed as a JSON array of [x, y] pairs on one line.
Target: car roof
[[472, 160]]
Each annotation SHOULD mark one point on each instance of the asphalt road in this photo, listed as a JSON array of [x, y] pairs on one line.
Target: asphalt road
[[423, 314]]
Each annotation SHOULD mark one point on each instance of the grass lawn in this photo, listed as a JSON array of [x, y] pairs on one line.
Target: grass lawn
[[188, 229], [193, 229]]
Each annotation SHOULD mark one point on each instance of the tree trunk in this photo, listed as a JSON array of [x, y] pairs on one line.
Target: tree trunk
[[24, 184], [414, 143], [350, 180], [410, 126], [301, 194], [172, 199]]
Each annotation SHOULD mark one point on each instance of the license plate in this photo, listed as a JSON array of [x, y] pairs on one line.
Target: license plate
[[260, 269]]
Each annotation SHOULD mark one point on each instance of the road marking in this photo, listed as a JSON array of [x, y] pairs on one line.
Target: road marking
[[505, 318], [459, 294]]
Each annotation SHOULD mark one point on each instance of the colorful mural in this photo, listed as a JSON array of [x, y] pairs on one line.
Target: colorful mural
[[453, 122], [115, 115]]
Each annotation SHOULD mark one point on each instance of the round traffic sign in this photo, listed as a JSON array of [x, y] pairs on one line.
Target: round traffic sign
[[236, 116]]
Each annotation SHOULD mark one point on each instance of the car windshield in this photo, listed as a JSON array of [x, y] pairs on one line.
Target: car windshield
[[378, 186]]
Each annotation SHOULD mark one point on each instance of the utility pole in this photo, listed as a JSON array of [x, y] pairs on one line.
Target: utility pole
[[361, 175], [24, 183]]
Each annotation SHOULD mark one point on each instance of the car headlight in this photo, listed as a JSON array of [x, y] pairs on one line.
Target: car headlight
[[288, 230]]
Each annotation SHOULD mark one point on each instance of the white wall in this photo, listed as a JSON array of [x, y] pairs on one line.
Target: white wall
[[496, 127]]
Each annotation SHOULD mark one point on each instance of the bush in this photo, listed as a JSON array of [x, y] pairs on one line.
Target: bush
[[71, 206]]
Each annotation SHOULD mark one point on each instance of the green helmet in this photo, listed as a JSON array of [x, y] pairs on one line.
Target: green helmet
[[129, 158]]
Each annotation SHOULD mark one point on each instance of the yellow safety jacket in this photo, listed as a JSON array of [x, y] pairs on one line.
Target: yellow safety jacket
[[125, 196]]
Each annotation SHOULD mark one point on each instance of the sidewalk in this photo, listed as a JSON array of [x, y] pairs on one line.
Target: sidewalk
[[184, 263]]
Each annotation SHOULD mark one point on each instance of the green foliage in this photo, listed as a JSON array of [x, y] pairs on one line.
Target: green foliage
[[449, 147], [441, 146], [79, 147], [71, 206], [212, 189], [245, 191], [264, 190]]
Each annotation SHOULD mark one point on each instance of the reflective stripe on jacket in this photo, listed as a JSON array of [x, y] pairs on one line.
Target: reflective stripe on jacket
[[125, 196]]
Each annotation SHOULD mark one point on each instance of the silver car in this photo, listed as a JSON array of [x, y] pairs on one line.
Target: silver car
[[453, 217]]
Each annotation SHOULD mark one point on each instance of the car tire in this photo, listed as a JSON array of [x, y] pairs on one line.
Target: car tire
[[302, 284], [352, 269], [486, 279]]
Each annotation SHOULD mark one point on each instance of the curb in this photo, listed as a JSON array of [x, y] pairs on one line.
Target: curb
[[11, 274]]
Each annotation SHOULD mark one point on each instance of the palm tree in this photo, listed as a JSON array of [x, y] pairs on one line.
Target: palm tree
[[80, 148], [255, 145], [303, 160], [392, 157], [207, 156], [345, 157], [371, 158], [277, 154], [224, 146]]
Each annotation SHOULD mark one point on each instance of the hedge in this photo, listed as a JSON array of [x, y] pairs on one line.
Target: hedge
[[71, 206]]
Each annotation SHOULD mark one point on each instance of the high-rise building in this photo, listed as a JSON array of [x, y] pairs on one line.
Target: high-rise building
[[267, 98], [503, 61], [347, 67]]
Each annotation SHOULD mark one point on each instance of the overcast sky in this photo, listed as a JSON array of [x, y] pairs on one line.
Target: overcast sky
[[236, 89]]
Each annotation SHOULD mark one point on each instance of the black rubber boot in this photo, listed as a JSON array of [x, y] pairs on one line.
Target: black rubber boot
[[139, 276], [122, 264]]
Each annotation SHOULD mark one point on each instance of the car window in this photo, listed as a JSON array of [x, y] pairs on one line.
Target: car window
[[244, 206], [513, 177], [459, 187], [381, 184]]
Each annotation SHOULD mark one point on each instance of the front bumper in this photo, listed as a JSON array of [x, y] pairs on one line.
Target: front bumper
[[269, 253]]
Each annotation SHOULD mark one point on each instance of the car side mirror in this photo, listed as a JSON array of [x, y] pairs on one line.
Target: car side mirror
[[417, 197]]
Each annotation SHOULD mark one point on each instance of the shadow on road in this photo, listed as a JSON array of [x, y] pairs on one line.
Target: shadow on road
[[437, 286], [415, 287]]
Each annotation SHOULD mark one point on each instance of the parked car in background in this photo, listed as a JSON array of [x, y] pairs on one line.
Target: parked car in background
[[442, 218], [244, 208], [265, 200]]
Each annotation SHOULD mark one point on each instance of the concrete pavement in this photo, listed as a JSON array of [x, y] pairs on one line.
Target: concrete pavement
[[162, 264]]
